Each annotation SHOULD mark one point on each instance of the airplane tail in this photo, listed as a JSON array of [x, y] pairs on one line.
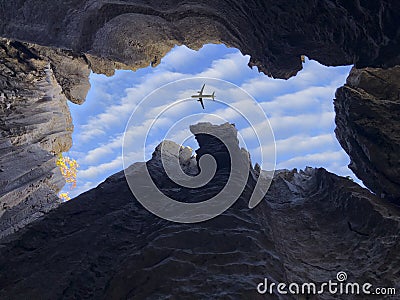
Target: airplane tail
[[213, 95]]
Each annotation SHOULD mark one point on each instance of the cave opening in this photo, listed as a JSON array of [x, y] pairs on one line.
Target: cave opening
[[299, 109]]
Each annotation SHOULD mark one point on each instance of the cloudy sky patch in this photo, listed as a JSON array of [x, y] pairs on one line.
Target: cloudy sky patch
[[300, 111]]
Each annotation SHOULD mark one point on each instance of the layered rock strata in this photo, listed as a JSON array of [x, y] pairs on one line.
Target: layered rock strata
[[35, 127], [368, 128]]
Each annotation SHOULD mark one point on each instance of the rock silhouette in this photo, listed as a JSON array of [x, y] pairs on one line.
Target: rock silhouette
[[105, 245], [368, 128]]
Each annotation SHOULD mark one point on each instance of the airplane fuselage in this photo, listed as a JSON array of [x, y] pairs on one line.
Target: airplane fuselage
[[202, 96]]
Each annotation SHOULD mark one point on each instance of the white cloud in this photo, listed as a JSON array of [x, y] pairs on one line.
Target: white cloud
[[289, 125], [95, 171], [314, 160], [117, 115], [96, 154], [228, 68], [179, 56], [304, 100], [298, 144], [313, 74]]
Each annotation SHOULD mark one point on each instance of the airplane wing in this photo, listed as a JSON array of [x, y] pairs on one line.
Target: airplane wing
[[201, 102], [201, 91]]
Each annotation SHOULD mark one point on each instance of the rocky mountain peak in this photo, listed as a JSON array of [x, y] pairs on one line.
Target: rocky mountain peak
[[169, 152]]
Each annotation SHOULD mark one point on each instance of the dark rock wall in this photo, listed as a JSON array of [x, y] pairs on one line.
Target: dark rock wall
[[368, 127], [35, 126], [105, 245], [275, 33]]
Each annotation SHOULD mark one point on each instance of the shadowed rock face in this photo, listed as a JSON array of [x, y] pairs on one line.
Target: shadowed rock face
[[105, 245], [368, 128], [275, 33], [35, 125]]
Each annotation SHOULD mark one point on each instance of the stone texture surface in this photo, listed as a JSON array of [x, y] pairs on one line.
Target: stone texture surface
[[35, 126], [368, 127], [133, 34], [105, 245]]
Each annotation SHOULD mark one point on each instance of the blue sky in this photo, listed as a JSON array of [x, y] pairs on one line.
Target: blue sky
[[300, 111]]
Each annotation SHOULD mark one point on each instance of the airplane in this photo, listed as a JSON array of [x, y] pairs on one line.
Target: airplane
[[201, 96]]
